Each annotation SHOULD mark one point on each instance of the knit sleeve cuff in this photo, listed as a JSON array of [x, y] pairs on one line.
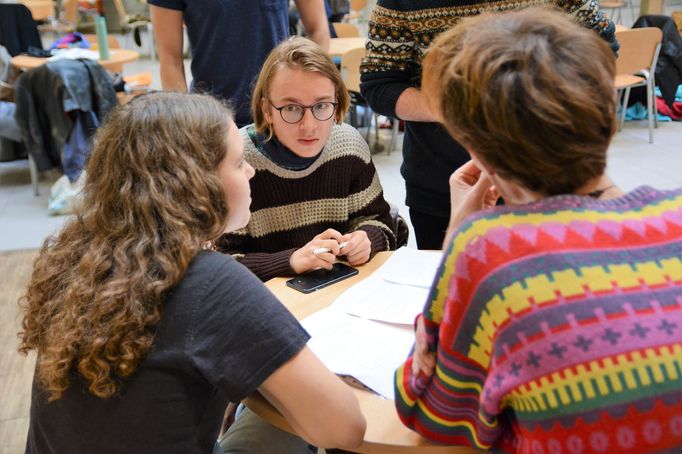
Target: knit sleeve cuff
[[377, 237], [382, 90], [267, 266]]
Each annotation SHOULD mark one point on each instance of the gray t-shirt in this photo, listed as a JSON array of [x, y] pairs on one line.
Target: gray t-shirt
[[222, 333]]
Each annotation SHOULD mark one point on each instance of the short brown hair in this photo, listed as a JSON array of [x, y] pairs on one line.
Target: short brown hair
[[300, 53], [531, 92]]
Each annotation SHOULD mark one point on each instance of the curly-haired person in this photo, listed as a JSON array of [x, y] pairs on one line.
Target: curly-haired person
[[142, 332]]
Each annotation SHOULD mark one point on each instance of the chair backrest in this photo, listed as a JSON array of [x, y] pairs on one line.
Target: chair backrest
[[350, 68], [70, 11], [638, 49], [344, 30]]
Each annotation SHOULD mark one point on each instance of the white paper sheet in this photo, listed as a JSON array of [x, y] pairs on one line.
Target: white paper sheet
[[367, 350], [408, 266], [75, 53], [375, 299]]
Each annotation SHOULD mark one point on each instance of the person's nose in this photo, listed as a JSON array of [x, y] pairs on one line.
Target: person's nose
[[250, 171], [308, 122]]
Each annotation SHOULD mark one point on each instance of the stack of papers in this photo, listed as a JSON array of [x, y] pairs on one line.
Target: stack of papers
[[367, 332]]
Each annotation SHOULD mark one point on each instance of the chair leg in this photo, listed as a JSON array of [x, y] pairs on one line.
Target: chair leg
[[626, 98], [395, 129], [152, 42], [368, 122], [650, 110], [354, 115], [33, 168], [376, 130], [653, 96], [633, 13]]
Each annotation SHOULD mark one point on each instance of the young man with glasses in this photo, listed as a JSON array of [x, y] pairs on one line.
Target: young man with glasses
[[315, 188]]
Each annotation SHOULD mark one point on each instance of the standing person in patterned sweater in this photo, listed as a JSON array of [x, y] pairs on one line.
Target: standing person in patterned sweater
[[315, 184], [554, 323], [400, 31]]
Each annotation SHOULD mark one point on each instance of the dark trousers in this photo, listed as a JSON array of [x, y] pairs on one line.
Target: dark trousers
[[429, 230]]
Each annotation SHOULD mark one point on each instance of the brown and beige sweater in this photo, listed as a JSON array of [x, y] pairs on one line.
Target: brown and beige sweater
[[339, 190]]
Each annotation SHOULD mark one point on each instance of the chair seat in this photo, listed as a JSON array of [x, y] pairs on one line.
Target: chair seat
[[624, 80]]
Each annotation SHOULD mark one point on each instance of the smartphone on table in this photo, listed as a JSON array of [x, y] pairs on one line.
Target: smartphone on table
[[315, 280]]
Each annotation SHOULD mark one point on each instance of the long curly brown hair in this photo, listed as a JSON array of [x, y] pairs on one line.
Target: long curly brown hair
[[152, 198]]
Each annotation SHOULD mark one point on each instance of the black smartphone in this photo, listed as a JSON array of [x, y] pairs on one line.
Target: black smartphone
[[315, 280]]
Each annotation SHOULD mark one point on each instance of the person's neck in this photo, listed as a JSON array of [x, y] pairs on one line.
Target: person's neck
[[601, 187]]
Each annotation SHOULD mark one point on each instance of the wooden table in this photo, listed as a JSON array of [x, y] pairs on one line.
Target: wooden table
[[117, 58], [385, 433], [339, 46]]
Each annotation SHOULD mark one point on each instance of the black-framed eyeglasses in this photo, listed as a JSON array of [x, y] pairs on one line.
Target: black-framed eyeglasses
[[293, 113]]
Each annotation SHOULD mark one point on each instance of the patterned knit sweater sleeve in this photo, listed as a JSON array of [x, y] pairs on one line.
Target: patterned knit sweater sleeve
[[340, 190], [557, 327], [400, 32]]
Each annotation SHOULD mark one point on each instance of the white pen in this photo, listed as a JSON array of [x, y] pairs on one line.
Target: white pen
[[323, 250]]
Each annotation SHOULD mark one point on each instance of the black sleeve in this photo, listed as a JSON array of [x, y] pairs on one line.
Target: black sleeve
[[240, 334]]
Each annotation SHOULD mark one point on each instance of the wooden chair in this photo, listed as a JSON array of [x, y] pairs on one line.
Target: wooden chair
[[64, 21], [344, 30], [350, 73], [131, 24], [615, 7], [635, 67]]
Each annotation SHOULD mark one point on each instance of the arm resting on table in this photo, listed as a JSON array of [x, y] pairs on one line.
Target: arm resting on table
[[318, 405]]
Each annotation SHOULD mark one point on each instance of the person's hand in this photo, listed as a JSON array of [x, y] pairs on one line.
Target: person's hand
[[422, 359], [470, 191], [357, 248], [305, 259]]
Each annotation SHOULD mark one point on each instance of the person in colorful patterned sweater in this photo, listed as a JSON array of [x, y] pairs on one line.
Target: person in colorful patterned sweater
[[400, 32], [315, 184], [554, 323]]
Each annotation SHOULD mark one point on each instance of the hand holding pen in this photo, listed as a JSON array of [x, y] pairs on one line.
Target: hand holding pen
[[323, 250], [320, 252]]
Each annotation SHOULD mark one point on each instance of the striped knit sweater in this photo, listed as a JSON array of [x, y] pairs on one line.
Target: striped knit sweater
[[558, 328], [400, 31], [340, 190]]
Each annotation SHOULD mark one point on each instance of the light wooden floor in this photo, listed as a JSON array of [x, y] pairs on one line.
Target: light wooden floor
[[16, 371]]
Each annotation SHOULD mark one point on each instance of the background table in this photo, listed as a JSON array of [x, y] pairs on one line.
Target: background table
[[117, 58], [385, 433], [339, 46]]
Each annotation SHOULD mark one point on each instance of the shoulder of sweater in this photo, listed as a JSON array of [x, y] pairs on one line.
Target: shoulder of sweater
[[345, 140], [250, 150]]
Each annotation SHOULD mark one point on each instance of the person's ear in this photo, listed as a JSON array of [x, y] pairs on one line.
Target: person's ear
[[265, 108]]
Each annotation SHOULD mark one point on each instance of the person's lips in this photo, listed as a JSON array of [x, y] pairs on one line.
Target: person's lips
[[307, 141]]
